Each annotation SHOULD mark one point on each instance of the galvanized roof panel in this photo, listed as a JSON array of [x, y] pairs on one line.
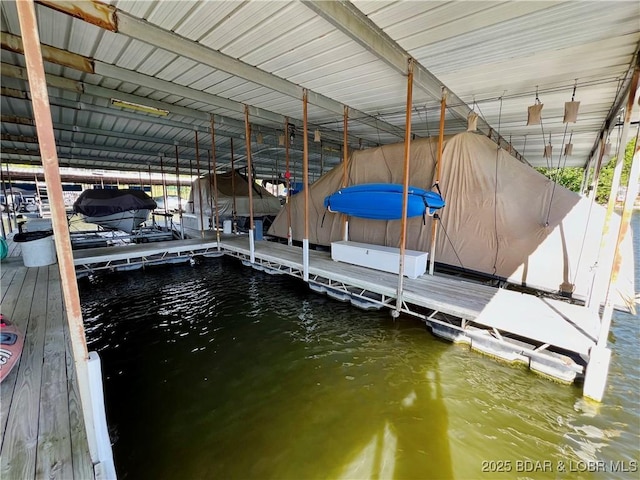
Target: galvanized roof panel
[[496, 53]]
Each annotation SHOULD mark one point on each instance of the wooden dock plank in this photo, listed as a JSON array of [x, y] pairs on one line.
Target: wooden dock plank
[[557, 323], [20, 441], [19, 295], [54, 459], [42, 428], [12, 285], [446, 294]]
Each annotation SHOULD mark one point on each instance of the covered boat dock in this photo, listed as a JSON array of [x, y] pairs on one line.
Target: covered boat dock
[[290, 90]]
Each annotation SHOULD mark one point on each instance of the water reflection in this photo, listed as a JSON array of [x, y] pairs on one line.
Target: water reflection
[[219, 371]]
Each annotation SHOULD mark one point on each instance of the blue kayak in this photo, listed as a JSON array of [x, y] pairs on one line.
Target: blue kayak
[[382, 201]]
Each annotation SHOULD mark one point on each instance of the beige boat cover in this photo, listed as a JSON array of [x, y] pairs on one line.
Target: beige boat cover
[[502, 217], [231, 184]]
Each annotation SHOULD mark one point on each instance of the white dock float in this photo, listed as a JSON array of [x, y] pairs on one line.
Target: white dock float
[[379, 257], [130, 257], [552, 337]]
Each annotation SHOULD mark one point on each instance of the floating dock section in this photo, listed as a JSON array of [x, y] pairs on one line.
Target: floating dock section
[[550, 336]]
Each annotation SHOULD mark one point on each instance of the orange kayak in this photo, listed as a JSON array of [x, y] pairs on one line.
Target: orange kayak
[[11, 343]]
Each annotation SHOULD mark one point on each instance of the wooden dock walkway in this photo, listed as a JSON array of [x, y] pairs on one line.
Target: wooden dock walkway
[[41, 422]]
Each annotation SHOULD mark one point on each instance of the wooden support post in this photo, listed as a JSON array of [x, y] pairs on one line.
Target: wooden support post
[[199, 186], [305, 186], [434, 223], [247, 130], [51, 167], [215, 180], [405, 189]]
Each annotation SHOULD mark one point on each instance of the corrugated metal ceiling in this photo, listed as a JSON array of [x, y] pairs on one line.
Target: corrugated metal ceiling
[[494, 56]]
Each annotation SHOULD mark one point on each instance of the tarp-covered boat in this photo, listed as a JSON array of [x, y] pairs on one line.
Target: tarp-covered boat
[[114, 209], [502, 218], [11, 343], [383, 201], [232, 193]]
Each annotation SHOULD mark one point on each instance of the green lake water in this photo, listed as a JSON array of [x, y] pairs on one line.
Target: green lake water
[[218, 371]]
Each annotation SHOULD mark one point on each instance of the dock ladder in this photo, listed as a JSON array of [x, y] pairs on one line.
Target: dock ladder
[[44, 207]]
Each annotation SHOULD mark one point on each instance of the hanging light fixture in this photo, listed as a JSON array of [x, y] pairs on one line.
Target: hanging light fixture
[[138, 107], [316, 135], [281, 140]]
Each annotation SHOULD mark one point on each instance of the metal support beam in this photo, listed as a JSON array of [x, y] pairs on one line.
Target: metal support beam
[[352, 22], [265, 118], [405, 189], [623, 94], [133, 27], [13, 43]]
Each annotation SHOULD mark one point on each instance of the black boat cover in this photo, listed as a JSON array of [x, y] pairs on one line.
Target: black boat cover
[[102, 202]]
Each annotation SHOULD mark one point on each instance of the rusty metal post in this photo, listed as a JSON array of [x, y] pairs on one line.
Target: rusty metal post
[[607, 244], [13, 201], [247, 130], [405, 190], [233, 191], [164, 182], [166, 206], [345, 167], [199, 186], [287, 177], [50, 164], [305, 186], [434, 223], [215, 180]]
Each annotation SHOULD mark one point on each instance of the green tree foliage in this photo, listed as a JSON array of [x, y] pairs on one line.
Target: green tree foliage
[[571, 177], [606, 173]]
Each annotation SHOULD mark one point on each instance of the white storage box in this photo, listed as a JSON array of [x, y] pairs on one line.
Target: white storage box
[[379, 257]]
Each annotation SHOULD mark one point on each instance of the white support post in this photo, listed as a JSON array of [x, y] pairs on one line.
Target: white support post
[[305, 259], [105, 454], [595, 379], [252, 253]]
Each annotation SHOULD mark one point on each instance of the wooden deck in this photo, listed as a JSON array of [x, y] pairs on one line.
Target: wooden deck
[[41, 422]]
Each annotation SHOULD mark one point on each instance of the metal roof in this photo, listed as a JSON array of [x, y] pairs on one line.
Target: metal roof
[[200, 58]]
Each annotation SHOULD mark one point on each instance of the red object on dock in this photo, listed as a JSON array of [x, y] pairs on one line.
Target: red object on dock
[[11, 343]]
